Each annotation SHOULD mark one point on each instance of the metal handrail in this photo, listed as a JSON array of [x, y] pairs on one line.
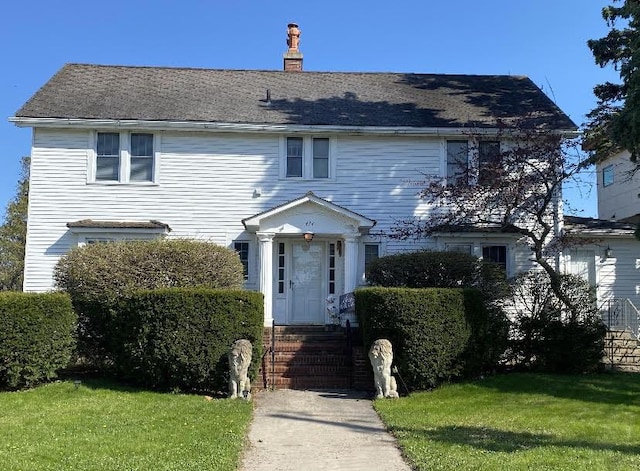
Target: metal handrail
[[622, 314]]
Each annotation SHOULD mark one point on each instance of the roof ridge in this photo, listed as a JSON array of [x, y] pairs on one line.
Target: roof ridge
[[279, 71]]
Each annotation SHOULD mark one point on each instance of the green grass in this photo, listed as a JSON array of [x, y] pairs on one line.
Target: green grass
[[101, 426], [521, 421]]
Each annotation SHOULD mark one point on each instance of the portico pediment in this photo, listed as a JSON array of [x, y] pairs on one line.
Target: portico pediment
[[310, 213]]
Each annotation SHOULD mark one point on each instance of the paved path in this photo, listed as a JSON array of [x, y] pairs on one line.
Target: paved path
[[318, 430]]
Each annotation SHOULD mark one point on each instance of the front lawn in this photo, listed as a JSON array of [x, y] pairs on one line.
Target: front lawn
[[101, 426], [521, 421]]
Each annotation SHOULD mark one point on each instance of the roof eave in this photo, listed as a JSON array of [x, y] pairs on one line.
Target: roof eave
[[84, 123]]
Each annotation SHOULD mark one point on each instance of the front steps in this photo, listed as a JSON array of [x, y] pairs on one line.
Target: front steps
[[311, 358], [622, 351]]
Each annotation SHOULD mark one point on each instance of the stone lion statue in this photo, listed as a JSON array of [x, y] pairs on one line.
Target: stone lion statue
[[381, 357], [239, 361]]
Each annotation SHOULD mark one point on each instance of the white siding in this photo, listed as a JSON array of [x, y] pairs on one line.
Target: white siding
[[621, 199], [209, 182]]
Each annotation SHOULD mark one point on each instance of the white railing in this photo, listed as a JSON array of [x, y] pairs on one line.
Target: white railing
[[621, 314]]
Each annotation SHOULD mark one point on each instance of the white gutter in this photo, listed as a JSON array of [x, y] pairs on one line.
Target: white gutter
[[244, 128]]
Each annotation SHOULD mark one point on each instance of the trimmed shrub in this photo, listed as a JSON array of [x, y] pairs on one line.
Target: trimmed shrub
[[97, 276], [179, 338], [427, 328], [546, 335], [487, 321], [107, 272], [426, 269], [36, 337]]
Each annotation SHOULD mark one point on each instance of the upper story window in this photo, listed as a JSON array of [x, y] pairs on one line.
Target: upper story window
[[464, 166], [489, 162], [108, 156], [124, 157], [457, 162], [608, 175], [307, 158]]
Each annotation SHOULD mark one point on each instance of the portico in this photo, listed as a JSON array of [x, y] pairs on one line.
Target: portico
[[308, 251]]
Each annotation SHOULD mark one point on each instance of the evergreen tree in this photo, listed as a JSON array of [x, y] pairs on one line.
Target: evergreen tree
[[13, 234], [614, 124]]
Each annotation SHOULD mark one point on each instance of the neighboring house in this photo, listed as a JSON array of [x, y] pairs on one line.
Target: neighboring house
[[618, 189], [303, 173]]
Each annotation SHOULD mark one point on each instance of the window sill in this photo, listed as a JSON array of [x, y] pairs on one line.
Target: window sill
[[115, 183]]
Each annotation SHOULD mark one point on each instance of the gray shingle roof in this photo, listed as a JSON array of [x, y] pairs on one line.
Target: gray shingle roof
[[306, 98]]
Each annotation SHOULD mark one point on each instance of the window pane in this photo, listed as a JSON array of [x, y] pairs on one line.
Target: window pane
[[142, 145], [243, 252], [321, 158], [294, 157], [107, 168], [141, 169], [496, 254], [489, 162], [457, 162], [108, 143], [371, 253], [463, 248], [607, 175]]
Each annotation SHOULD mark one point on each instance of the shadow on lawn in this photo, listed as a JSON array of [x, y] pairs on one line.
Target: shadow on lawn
[[509, 442], [607, 388]]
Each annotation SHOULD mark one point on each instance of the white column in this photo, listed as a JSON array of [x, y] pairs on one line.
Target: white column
[[266, 274], [350, 262]]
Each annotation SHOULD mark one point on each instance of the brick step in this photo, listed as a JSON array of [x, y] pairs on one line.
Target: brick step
[[304, 358], [309, 370], [312, 382], [311, 347]]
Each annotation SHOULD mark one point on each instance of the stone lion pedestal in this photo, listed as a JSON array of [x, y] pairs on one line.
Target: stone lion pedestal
[[239, 361], [381, 357]]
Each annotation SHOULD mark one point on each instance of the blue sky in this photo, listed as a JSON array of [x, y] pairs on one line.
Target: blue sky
[[543, 39]]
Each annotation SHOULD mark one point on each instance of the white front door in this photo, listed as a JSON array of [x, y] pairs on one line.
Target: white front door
[[307, 283]]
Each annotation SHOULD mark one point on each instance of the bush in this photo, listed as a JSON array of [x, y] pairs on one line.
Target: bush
[[107, 272], [97, 276], [549, 337], [179, 338], [427, 269], [487, 321], [36, 337], [427, 328]]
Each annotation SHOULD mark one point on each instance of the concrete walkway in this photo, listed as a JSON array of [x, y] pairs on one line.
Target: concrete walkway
[[318, 430]]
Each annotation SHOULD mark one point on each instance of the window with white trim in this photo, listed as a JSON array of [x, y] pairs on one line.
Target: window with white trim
[[307, 158], [489, 162], [124, 157], [468, 162], [495, 254], [457, 162]]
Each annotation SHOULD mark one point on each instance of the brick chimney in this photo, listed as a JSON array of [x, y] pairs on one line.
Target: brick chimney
[[293, 57]]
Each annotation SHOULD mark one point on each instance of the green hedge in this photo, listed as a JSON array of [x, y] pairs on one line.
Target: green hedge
[[97, 276], [425, 269], [36, 337], [427, 328], [179, 338]]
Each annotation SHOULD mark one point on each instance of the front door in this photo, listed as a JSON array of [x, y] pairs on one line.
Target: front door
[[307, 283]]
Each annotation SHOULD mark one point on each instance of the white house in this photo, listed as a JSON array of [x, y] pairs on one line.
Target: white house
[[304, 173]]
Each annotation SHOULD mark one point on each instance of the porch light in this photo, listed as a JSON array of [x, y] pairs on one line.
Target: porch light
[[608, 253], [308, 236]]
